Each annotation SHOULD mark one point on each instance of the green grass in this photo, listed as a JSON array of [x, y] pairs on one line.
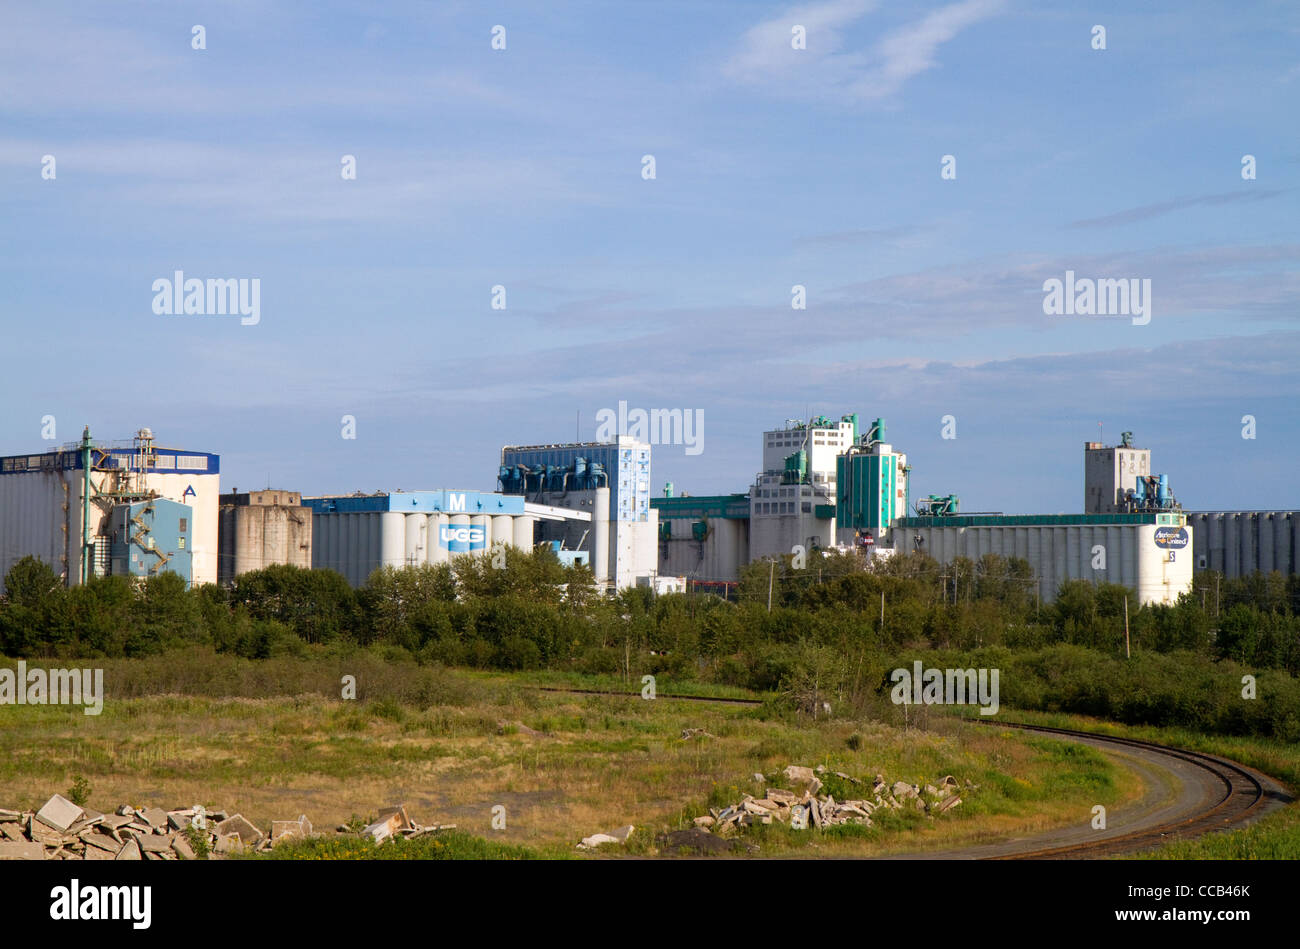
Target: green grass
[[443, 845]]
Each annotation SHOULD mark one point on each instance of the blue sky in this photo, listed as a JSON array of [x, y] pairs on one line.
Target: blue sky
[[774, 167]]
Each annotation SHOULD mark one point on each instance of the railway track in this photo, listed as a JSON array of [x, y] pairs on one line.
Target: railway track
[[1233, 795], [1241, 795]]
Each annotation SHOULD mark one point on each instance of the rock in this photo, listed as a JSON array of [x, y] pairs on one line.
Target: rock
[[227, 844], [59, 813], [903, 792], [931, 790], [44, 835], [130, 852], [759, 779], [155, 817], [694, 840], [705, 821], [101, 842], [781, 797], [919, 804], [125, 810], [596, 840], [239, 827], [798, 774], [156, 843], [21, 850]]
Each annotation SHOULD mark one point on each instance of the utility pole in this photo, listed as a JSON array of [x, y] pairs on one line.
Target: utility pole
[[771, 575], [1128, 652], [882, 611]]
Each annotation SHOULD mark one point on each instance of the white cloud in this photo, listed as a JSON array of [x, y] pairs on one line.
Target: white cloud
[[823, 70]]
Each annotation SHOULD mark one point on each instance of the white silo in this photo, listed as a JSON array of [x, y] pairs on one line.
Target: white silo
[[523, 531], [438, 552]]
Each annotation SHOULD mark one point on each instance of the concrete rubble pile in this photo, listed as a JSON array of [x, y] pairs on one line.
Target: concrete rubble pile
[[393, 823], [808, 809], [62, 830]]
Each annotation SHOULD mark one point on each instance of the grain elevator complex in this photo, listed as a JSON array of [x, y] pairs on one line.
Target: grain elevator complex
[[137, 509]]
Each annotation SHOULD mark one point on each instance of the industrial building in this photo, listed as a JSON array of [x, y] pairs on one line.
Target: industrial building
[[64, 505], [796, 501], [610, 483], [257, 529], [1147, 553], [357, 534], [1237, 543]]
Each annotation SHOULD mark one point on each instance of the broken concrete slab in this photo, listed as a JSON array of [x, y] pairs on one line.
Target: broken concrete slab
[[182, 847], [131, 851], [8, 815], [245, 830], [799, 775], [383, 828], [622, 833], [94, 853], [21, 850], [227, 844], [287, 828], [42, 834], [399, 812], [157, 843], [59, 813], [101, 842], [154, 816], [596, 840]]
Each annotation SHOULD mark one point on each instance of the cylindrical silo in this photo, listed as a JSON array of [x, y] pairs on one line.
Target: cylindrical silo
[[412, 535], [482, 522], [393, 539], [438, 551], [600, 535], [523, 531], [503, 529], [459, 530]]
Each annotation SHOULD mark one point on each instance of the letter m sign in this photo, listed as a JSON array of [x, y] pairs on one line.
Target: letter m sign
[[455, 502]]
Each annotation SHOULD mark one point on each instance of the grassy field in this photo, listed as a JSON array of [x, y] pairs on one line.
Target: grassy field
[[273, 739]]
